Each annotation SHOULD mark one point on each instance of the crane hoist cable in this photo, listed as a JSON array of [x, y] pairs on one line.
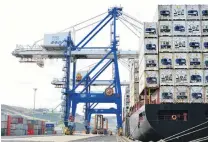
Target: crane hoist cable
[[72, 26], [127, 15], [129, 28]]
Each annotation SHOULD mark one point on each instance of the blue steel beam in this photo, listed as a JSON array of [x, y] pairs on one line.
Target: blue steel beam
[[97, 74], [93, 30], [97, 32], [88, 74]]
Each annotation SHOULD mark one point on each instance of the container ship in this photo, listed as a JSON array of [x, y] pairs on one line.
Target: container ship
[[168, 97]]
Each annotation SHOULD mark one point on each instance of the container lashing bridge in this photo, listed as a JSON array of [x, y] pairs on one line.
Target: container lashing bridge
[[70, 53]]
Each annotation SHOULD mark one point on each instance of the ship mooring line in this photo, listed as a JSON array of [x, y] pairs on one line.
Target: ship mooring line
[[200, 139], [187, 133], [170, 137]]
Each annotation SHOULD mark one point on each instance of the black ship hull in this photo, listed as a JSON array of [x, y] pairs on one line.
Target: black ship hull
[[153, 122]]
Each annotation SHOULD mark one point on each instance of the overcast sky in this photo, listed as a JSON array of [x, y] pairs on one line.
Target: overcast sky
[[25, 21]]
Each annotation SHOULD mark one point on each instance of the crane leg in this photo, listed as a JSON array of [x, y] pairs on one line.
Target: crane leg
[[119, 120], [72, 121]]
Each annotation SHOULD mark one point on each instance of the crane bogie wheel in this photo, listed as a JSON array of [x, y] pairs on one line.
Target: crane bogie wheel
[[109, 91]]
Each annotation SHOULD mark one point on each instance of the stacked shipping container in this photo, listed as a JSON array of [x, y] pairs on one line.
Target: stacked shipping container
[[16, 125], [148, 59], [183, 34], [4, 119], [134, 85]]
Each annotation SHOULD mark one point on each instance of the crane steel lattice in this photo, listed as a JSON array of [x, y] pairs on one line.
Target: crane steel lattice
[[71, 52]]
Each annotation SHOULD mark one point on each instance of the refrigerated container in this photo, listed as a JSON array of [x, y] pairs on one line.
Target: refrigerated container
[[164, 12], [150, 29], [205, 60], [193, 12], [165, 28], [166, 76], [193, 28], [196, 94], [182, 77], [165, 44], [178, 12], [150, 62], [204, 43], [205, 77], [196, 77], [194, 44], [166, 94], [166, 60], [204, 29], [180, 60], [150, 46], [148, 79], [179, 28], [204, 12], [195, 60], [181, 94], [180, 44]]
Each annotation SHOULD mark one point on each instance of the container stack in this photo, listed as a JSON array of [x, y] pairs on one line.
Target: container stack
[[134, 84], [18, 126], [4, 121], [183, 45], [148, 59], [126, 101], [30, 124]]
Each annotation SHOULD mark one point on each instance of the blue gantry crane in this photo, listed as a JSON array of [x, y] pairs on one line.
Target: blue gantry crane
[[71, 52]]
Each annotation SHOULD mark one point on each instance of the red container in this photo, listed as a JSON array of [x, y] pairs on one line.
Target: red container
[[9, 120], [30, 126], [30, 132]]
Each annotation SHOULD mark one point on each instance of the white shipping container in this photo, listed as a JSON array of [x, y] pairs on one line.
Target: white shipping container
[[150, 29], [180, 44], [196, 77], [166, 94], [17, 132], [182, 77], [4, 117], [204, 28], [181, 94], [195, 60], [194, 44], [193, 28], [3, 124], [151, 62], [165, 44], [205, 77], [148, 79], [150, 46], [178, 12], [166, 60], [179, 28], [55, 40], [193, 12], [164, 12], [206, 94], [165, 28], [166, 77], [204, 12], [180, 60], [17, 126], [205, 44], [196, 95], [205, 60], [136, 88]]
